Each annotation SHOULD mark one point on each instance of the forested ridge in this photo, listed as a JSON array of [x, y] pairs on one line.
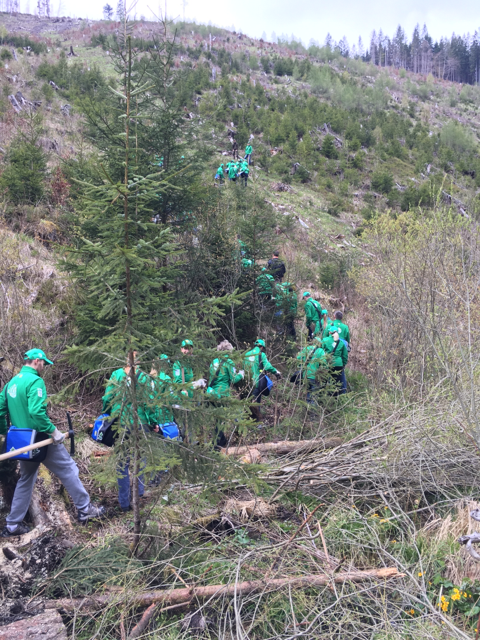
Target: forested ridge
[[145, 273]]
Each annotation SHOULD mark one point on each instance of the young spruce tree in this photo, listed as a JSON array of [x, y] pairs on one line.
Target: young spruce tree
[[126, 267]]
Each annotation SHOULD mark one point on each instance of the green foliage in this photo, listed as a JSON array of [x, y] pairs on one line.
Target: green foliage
[[24, 174], [382, 181], [22, 42], [85, 569], [74, 80], [457, 138], [329, 149]]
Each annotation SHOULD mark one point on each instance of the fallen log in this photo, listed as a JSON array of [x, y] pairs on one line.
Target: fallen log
[[286, 446], [186, 595]]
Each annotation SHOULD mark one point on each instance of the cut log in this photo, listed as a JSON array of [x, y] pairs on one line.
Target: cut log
[[281, 448], [186, 595], [15, 104], [46, 626]]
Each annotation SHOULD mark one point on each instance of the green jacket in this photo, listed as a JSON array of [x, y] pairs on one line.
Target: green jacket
[[220, 383], [118, 402], [248, 149], [27, 402], [232, 170], [245, 168], [252, 364], [160, 411], [187, 375], [343, 330], [315, 356], [220, 171], [340, 357], [265, 283], [313, 313]]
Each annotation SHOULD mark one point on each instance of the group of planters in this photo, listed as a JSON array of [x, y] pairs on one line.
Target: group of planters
[[166, 394], [233, 170]]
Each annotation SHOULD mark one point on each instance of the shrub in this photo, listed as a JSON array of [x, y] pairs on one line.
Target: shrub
[[382, 181], [457, 138], [329, 149], [24, 174]]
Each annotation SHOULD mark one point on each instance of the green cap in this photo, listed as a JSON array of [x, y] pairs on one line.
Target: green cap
[[33, 354], [260, 343], [187, 343], [162, 356], [324, 312], [332, 328], [306, 294]]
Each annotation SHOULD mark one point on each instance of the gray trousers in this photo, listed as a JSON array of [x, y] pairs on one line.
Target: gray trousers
[[59, 462]]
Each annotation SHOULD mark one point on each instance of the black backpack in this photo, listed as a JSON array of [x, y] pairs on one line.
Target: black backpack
[[277, 268]]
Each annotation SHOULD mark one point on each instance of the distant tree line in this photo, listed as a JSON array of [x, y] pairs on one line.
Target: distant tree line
[[456, 59]]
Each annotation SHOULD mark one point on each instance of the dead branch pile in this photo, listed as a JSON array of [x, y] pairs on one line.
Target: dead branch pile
[[418, 454]]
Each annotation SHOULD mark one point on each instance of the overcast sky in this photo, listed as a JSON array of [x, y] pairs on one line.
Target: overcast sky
[[306, 19]]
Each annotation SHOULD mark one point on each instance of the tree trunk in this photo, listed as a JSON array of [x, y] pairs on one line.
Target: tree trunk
[[286, 446], [186, 595]]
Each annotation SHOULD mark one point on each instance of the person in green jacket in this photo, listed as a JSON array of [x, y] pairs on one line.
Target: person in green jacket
[[256, 363], [160, 409], [248, 153], [220, 175], [342, 329], [244, 171], [312, 359], [183, 374], [338, 353], [223, 375], [160, 405], [313, 315], [24, 400], [118, 403], [265, 284], [232, 171]]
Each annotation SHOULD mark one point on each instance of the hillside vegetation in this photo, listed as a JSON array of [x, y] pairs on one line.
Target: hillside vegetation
[[115, 237]]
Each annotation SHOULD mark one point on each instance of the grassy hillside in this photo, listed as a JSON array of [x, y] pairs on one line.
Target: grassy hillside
[[366, 179]]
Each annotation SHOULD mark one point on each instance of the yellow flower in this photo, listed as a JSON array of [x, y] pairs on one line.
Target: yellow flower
[[420, 574], [383, 520], [394, 542], [385, 507]]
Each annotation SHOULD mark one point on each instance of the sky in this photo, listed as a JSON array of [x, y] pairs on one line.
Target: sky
[[305, 19]]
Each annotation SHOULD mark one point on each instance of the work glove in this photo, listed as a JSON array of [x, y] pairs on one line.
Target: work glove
[[242, 373], [58, 436], [279, 375], [200, 383]]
